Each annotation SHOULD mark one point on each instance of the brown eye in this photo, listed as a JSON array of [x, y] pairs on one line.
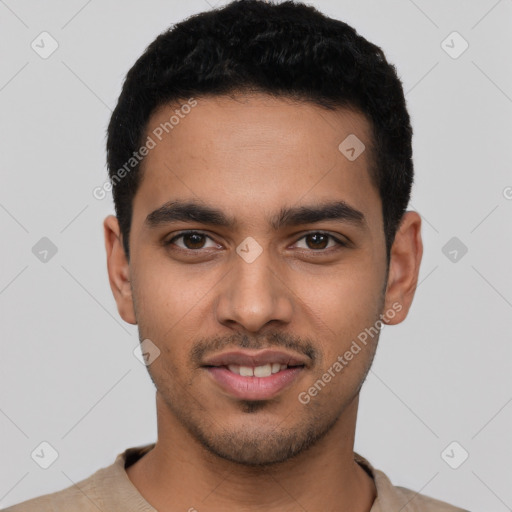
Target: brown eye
[[193, 241], [317, 241], [320, 242]]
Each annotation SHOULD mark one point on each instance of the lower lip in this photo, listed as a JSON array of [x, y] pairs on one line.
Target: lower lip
[[253, 388]]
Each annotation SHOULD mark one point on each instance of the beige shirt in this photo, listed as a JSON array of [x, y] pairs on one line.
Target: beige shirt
[[110, 490]]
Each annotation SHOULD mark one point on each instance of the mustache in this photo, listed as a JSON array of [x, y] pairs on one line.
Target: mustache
[[207, 346]]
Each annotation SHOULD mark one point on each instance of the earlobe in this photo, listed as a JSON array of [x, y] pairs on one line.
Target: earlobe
[[404, 266], [118, 269]]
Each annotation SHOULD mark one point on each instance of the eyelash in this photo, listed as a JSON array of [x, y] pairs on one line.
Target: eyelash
[[338, 242]]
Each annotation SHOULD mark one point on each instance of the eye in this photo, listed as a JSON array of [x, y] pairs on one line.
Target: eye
[[191, 240], [319, 241], [194, 241]]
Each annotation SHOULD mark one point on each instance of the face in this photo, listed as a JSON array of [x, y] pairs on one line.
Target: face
[[257, 246]]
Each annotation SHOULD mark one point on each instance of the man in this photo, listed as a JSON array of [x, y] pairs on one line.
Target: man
[[261, 165]]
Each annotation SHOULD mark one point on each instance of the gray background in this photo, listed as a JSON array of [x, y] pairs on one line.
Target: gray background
[[68, 372]]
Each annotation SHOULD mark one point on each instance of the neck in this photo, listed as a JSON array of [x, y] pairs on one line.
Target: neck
[[181, 472]]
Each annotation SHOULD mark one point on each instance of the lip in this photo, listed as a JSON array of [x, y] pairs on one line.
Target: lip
[[253, 388], [256, 358]]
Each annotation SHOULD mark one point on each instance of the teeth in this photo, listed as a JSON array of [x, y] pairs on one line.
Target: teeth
[[246, 371], [259, 371], [263, 371]]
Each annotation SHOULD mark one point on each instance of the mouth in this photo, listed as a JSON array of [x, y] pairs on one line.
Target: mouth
[[262, 371], [255, 376]]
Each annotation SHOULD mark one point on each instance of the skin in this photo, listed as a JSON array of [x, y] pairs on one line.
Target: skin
[[250, 156]]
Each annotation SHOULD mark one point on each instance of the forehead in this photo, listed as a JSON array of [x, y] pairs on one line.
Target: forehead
[[256, 151]]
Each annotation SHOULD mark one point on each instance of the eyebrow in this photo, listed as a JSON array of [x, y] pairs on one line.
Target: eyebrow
[[191, 211]]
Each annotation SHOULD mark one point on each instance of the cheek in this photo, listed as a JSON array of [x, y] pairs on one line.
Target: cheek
[[171, 306], [346, 298], [165, 293], [343, 312]]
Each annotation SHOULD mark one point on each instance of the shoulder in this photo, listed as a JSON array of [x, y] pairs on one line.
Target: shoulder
[[391, 498], [109, 488], [417, 502], [83, 496], [79, 497]]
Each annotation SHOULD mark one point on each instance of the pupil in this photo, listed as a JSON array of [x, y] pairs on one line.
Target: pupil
[[316, 238], [196, 240]]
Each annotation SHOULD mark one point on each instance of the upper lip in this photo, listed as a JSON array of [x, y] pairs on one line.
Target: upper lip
[[255, 358]]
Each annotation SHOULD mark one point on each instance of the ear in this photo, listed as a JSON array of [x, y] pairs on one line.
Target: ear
[[118, 269], [404, 267]]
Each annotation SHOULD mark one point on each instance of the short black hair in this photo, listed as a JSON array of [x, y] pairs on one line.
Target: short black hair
[[286, 49]]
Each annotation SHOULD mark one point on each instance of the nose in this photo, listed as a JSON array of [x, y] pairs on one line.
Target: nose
[[254, 294]]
